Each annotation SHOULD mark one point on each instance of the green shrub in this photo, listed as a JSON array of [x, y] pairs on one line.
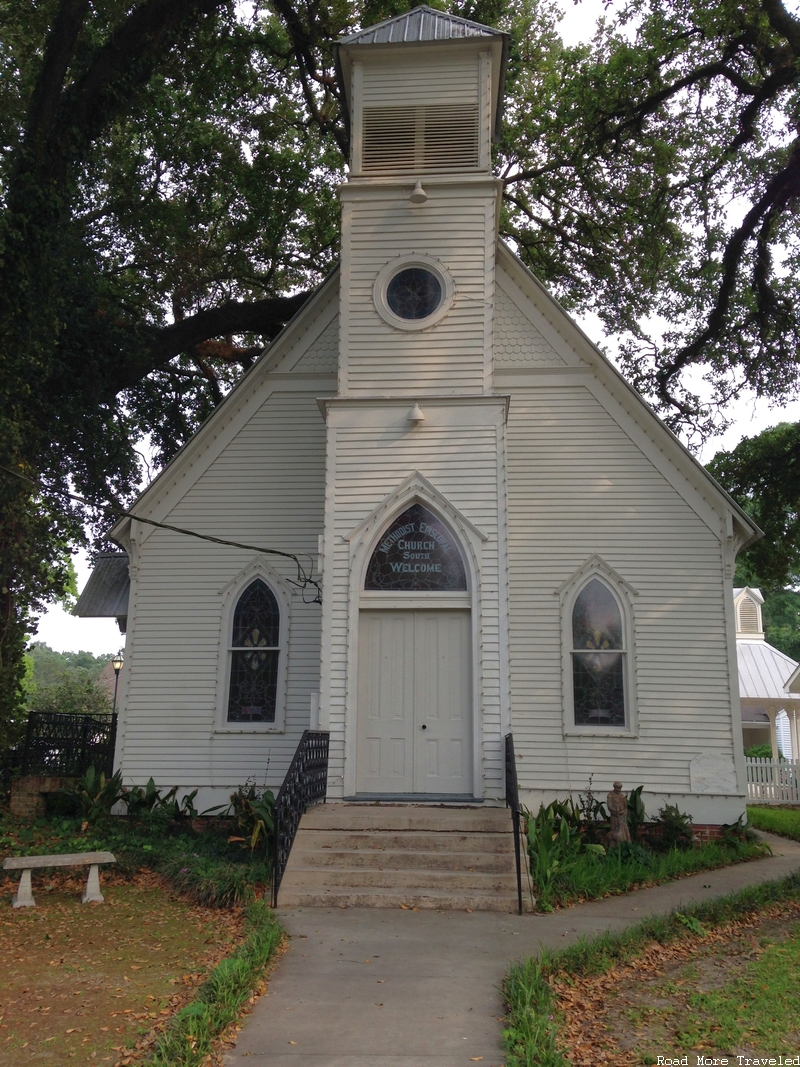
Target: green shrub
[[673, 829], [76, 694], [759, 752], [94, 794]]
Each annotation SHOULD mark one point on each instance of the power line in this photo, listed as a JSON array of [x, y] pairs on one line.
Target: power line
[[303, 581]]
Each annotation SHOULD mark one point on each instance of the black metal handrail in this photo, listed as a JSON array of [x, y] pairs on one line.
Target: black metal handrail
[[306, 783], [512, 801], [67, 745]]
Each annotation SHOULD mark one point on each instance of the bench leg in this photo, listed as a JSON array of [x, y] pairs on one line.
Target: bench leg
[[92, 892], [24, 897]]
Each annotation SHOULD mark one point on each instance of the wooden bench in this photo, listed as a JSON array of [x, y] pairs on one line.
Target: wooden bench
[[24, 896]]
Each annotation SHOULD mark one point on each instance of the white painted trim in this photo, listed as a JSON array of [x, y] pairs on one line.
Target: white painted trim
[[596, 567], [228, 598], [415, 487], [357, 116], [404, 262]]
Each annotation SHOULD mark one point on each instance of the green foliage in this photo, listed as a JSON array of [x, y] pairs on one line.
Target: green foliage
[[219, 1001], [762, 474], [50, 667], [738, 831], [783, 821], [532, 1034], [202, 864], [95, 794], [554, 847], [252, 810], [637, 816], [76, 695], [673, 830], [759, 752]]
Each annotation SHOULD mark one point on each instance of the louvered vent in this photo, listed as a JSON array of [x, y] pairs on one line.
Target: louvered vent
[[427, 137], [748, 616]]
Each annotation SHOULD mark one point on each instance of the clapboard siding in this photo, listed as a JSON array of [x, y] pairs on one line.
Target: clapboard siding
[[378, 358], [445, 79], [578, 485], [265, 488], [370, 462]]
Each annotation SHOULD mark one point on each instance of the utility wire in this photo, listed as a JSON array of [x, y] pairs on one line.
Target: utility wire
[[303, 579]]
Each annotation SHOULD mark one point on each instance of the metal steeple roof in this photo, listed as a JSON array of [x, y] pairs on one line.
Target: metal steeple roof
[[422, 23]]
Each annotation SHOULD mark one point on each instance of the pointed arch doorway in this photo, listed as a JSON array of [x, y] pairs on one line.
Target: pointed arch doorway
[[415, 699]]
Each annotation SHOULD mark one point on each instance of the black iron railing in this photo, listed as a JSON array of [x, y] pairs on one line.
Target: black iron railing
[[67, 745], [512, 801], [306, 783]]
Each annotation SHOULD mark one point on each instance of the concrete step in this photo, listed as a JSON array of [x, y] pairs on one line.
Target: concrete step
[[341, 816], [418, 840], [398, 859], [402, 855], [428, 899], [389, 878]]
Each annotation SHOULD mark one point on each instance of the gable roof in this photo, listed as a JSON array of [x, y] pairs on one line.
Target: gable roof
[[105, 595], [422, 23], [764, 672]]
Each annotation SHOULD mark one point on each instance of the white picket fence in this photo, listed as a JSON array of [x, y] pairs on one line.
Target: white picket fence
[[771, 781]]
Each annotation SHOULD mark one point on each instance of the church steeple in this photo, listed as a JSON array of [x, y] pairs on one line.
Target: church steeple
[[423, 93], [419, 209]]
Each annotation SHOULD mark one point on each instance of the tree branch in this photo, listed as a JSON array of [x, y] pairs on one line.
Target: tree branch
[[263, 317]]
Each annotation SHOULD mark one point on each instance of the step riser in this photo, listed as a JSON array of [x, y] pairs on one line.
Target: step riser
[[443, 820], [420, 901], [421, 841], [412, 880], [499, 863]]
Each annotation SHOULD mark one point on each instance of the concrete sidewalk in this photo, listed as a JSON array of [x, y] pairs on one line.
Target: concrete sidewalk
[[383, 988]]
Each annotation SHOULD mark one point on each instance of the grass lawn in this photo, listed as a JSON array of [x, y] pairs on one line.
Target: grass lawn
[[783, 821], [717, 980], [83, 982]]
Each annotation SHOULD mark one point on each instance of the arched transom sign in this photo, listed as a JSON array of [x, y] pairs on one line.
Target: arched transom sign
[[416, 552]]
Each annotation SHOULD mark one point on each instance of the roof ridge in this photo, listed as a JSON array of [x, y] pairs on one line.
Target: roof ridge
[[369, 32]]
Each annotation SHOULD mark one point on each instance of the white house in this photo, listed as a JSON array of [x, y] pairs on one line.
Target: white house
[[769, 681], [506, 538]]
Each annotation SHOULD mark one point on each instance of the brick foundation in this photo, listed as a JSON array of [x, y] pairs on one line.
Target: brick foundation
[[27, 794], [706, 832]]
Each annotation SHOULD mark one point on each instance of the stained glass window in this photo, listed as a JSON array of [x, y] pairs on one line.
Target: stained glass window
[[416, 552], [414, 293], [254, 655], [598, 657]]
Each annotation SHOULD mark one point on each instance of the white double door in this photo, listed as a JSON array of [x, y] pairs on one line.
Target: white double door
[[414, 702]]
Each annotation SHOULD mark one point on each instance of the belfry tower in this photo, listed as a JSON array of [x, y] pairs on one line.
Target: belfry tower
[[412, 667]]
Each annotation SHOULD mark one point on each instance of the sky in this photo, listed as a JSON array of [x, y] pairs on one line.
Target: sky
[[749, 416]]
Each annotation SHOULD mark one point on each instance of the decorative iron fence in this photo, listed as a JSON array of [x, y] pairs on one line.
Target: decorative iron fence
[[512, 801], [306, 783], [771, 781], [66, 745]]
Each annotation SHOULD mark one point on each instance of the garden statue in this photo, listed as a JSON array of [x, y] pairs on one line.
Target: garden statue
[[618, 810]]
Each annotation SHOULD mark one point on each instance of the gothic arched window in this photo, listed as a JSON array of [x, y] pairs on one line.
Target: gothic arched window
[[254, 653], [598, 657]]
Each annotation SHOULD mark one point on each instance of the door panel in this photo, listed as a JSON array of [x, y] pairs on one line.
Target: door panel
[[414, 702]]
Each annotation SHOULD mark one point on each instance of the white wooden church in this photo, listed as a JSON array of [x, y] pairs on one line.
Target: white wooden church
[[506, 538]]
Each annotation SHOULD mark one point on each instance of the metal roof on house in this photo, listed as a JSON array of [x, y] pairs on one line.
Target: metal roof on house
[[105, 595], [763, 671], [422, 23]]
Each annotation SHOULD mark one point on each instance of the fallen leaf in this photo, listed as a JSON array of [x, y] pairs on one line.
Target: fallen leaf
[[476, 1058], [292, 1042]]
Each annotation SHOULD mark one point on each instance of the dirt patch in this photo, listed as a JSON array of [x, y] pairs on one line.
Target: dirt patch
[[633, 1013], [88, 982]]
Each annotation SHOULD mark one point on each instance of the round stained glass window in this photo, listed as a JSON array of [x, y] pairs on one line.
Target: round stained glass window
[[414, 293]]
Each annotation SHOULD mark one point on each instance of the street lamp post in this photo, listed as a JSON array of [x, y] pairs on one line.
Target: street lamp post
[[116, 663]]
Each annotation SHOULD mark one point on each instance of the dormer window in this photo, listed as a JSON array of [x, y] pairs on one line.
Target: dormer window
[[748, 615]]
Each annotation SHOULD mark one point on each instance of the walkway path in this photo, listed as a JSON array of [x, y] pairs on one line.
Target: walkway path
[[384, 988]]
